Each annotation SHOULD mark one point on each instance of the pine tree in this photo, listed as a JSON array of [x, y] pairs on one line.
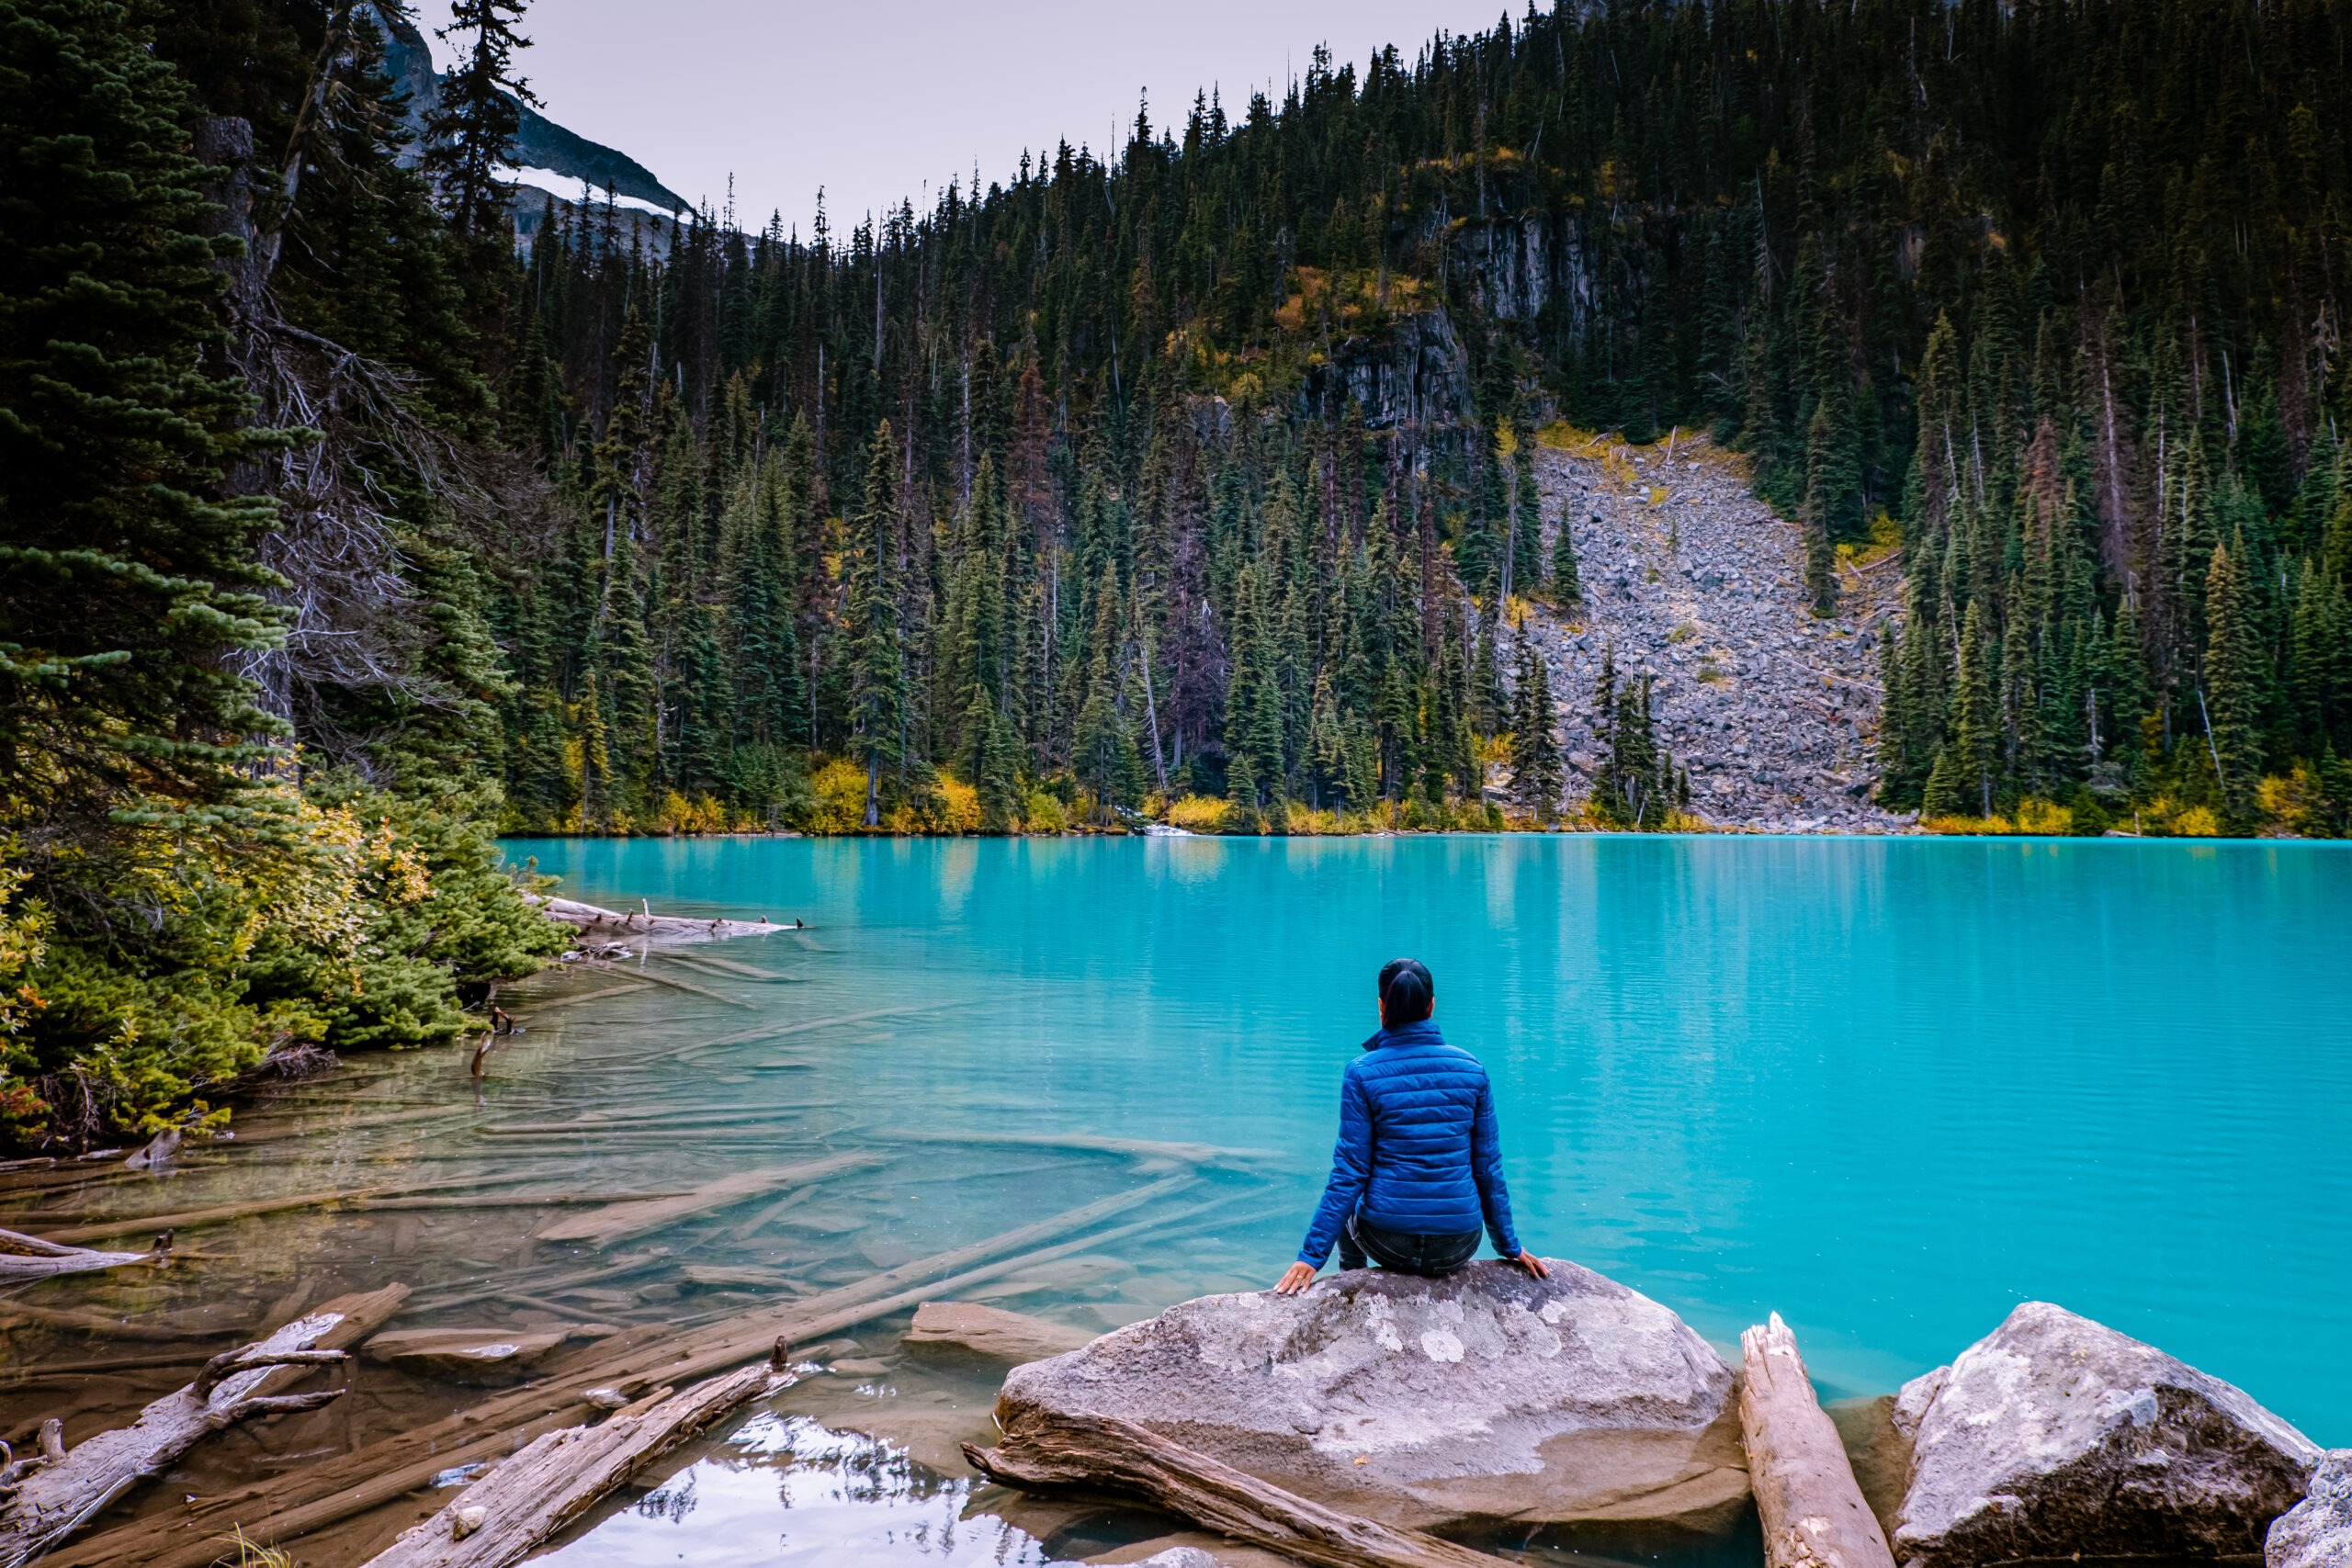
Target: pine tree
[[128, 590], [1970, 757], [2231, 694], [878, 672], [1108, 765], [1567, 585], [1538, 778], [1527, 530], [1253, 720], [472, 129], [1832, 495]]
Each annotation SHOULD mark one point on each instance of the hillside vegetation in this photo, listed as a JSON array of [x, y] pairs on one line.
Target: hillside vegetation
[[1214, 475]]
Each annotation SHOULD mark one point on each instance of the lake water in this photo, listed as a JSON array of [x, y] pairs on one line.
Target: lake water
[[1887, 1087]]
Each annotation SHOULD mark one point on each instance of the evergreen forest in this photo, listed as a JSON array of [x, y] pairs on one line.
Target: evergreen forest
[[341, 528]]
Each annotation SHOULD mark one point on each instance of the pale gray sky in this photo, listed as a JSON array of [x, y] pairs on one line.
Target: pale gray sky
[[872, 101]]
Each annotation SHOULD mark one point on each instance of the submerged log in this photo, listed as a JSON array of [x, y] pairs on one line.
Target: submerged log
[[1104, 1453], [535, 1006], [712, 962], [677, 984], [71, 1486], [26, 1258], [188, 1218], [333, 1489], [1813, 1510], [560, 1475], [625, 1220]]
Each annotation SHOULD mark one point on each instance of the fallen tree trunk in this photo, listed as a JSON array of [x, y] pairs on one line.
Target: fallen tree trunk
[[63, 1494], [1813, 1510], [711, 961], [1104, 1453], [646, 926], [560, 1475], [677, 984], [187, 1218], [532, 1007], [26, 1258], [622, 1221], [293, 1505]]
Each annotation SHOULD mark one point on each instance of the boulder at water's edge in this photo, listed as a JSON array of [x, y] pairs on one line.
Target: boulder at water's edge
[[1483, 1397], [2317, 1532], [2055, 1437]]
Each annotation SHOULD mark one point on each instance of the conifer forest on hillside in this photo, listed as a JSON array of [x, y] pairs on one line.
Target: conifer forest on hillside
[[355, 507]]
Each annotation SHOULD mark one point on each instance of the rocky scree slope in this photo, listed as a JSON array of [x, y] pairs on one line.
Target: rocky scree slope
[[1691, 579]]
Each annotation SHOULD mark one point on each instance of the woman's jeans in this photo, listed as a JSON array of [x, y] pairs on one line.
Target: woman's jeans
[[1405, 1251]]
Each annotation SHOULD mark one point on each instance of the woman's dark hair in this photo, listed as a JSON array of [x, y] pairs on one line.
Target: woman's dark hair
[[1406, 987]]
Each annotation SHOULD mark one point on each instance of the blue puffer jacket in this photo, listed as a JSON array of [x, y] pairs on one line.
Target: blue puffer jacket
[[1418, 1151]]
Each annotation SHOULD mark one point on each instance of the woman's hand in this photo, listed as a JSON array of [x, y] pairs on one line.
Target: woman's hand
[[1532, 1264], [1295, 1279]]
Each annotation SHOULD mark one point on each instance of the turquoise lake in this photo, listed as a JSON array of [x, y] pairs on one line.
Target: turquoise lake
[[1887, 1087]]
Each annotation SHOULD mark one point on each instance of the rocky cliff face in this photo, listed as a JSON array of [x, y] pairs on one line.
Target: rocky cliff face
[[1694, 581], [541, 144]]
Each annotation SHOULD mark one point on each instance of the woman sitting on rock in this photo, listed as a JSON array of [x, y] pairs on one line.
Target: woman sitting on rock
[[1418, 1172]]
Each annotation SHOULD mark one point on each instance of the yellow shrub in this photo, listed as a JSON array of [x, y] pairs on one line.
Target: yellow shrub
[[1979, 825], [1045, 814], [1197, 814], [2045, 817], [960, 811], [2198, 822], [840, 789], [679, 815]]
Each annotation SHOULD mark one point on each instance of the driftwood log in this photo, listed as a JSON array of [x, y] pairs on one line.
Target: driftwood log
[[1104, 1453], [560, 1475], [625, 1220], [1813, 1510], [63, 1494], [287, 1506], [643, 925], [26, 1258]]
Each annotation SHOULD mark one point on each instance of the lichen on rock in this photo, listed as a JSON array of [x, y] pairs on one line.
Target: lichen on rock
[[1483, 1397], [2056, 1437]]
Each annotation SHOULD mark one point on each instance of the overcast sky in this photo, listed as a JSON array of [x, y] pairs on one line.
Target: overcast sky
[[873, 102]]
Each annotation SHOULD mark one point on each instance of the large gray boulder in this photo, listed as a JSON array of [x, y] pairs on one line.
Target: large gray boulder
[[1483, 1398], [2055, 1437], [2317, 1532]]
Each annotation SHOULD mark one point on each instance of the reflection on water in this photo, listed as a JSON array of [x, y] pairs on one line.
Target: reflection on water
[[1889, 1088], [785, 1490]]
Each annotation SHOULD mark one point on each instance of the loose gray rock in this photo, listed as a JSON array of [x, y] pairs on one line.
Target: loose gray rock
[[2317, 1532], [1474, 1400], [1702, 573], [968, 1332], [2055, 1436]]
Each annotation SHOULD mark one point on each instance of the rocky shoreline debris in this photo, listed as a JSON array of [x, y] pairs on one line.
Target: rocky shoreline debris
[[1491, 1403], [1690, 579], [1379, 1420]]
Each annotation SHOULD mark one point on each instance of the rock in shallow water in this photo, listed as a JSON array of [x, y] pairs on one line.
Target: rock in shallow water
[[1480, 1398], [2055, 1437], [967, 1332], [2317, 1532]]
